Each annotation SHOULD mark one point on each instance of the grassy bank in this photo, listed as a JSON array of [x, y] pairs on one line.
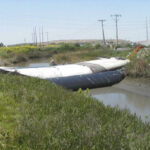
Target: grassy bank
[[61, 53], [87, 54], [36, 114], [18, 54]]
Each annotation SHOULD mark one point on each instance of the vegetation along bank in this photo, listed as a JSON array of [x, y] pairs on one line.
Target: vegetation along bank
[[36, 114]]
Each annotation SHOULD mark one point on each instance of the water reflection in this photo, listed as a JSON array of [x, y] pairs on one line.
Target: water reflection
[[135, 103], [35, 65]]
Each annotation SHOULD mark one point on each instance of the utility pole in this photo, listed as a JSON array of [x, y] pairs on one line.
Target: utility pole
[[147, 38], [34, 36], [116, 19], [102, 23], [25, 41], [47, 37], [42, 37]]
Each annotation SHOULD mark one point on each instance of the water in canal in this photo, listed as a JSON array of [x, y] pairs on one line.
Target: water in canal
[[124, 99], [36, 63]]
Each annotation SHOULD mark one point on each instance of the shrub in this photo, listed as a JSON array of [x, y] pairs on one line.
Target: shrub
[[67, 47], [138, 68], [97, 46]]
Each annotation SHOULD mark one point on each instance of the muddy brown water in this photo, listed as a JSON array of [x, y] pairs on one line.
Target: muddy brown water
[[131, 94]]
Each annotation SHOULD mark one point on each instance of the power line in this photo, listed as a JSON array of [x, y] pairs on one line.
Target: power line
[[116, 19], [102, 23]]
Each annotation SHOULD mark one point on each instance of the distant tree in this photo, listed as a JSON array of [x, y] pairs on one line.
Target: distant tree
[[97, 46], [77, 45], [1, 44]]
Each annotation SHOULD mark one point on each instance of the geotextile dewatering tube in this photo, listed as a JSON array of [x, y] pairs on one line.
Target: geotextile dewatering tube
[[95, 80], [89, 74]]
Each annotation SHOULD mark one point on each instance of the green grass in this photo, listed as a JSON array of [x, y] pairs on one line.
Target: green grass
[[87, 54], [18, 49], [36, 114], [18, 54]]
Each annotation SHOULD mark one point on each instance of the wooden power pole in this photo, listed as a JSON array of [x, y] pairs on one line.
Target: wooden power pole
[[116, 19], [103, 33]]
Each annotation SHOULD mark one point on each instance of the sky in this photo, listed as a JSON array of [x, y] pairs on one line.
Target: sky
[[72, 19]]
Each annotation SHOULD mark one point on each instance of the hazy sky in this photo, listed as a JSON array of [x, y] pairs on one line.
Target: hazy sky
[[72, 19]]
